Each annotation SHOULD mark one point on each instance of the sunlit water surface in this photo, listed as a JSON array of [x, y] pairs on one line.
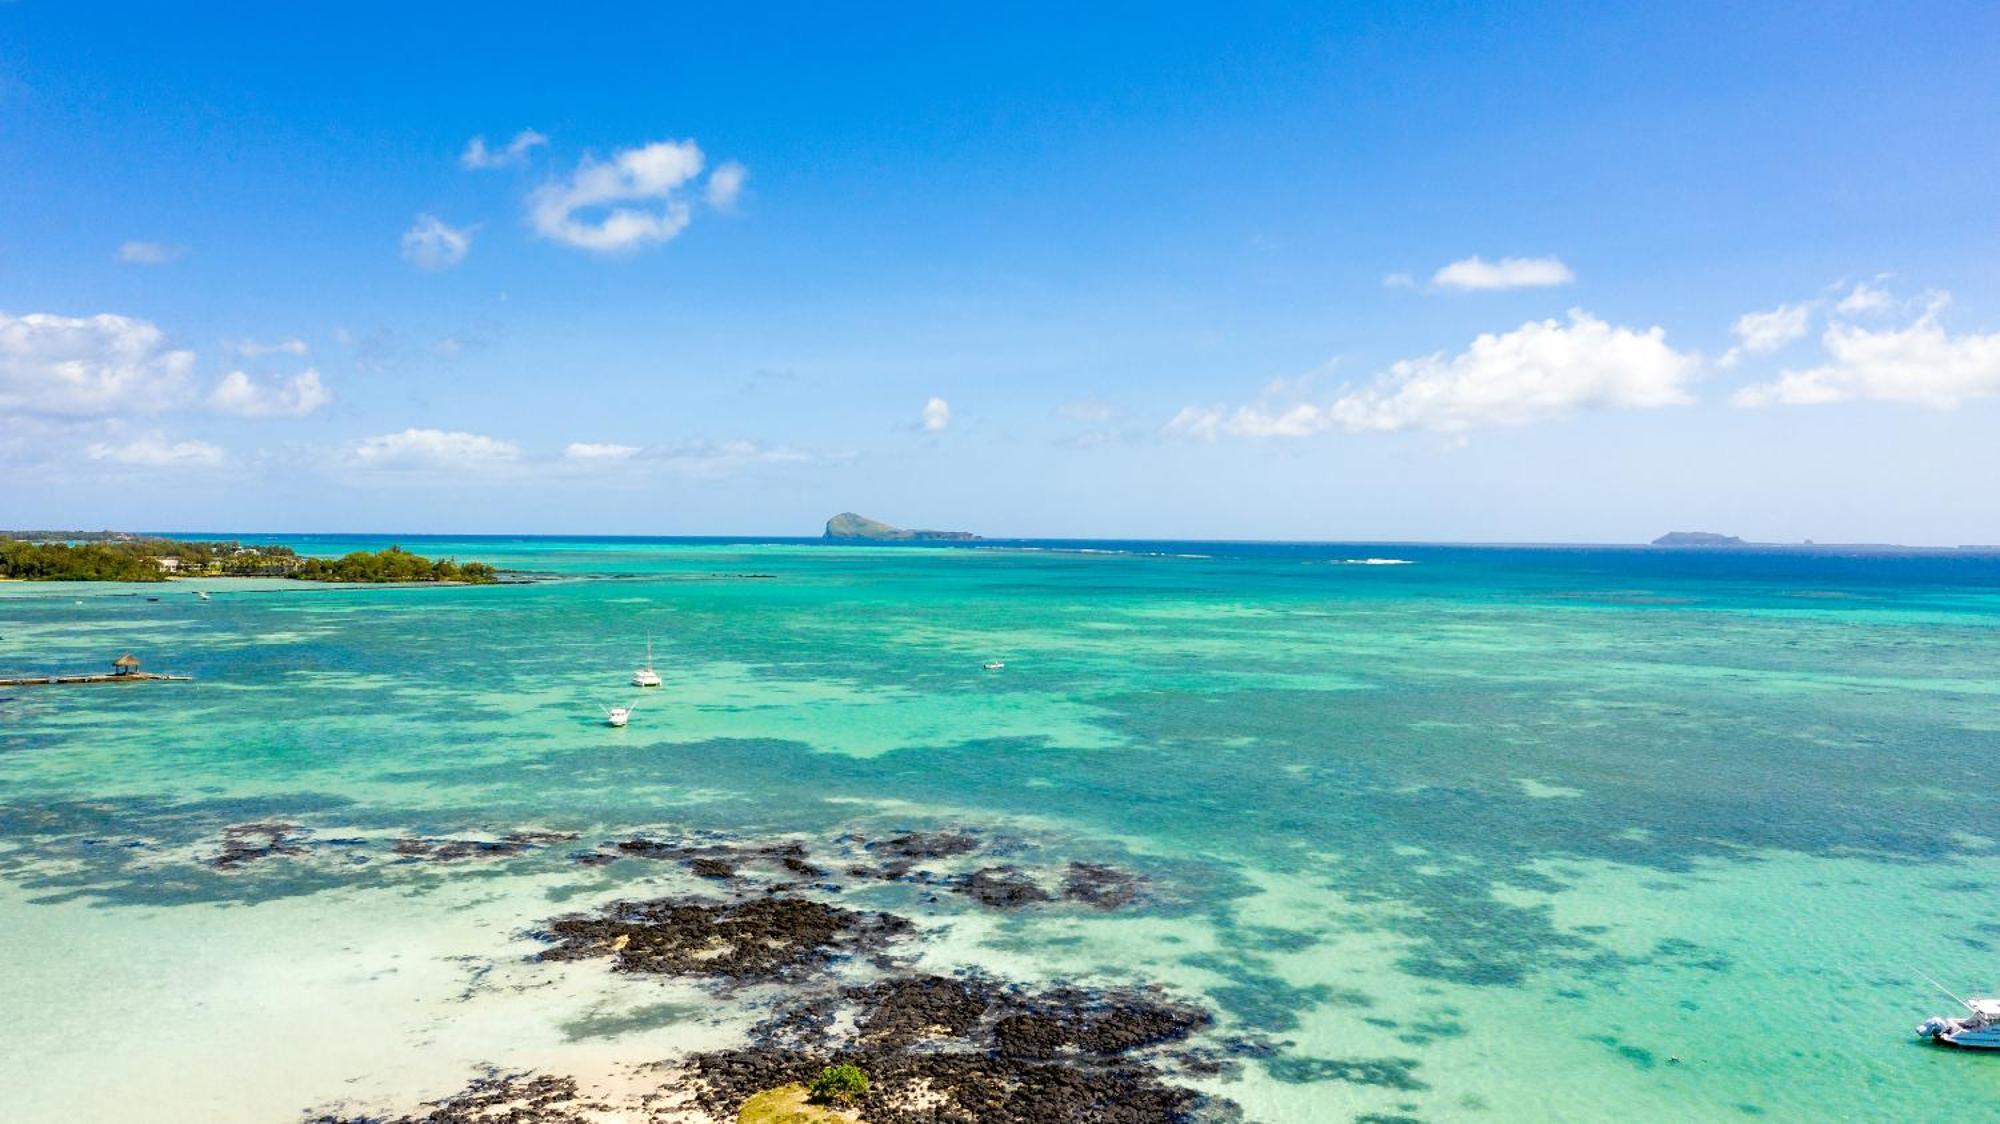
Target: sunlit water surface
[[1565, 834]]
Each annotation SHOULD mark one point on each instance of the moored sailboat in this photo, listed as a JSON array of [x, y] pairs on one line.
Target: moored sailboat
[[646, 676]]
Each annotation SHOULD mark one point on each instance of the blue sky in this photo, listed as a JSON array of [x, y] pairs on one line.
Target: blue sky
[[1249, 271]]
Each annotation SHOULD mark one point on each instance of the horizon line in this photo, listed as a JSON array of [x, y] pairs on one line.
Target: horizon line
[[1745, 545]]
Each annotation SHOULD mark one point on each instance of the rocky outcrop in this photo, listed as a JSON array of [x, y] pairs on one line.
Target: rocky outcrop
[[847, 526], [1696, 538]]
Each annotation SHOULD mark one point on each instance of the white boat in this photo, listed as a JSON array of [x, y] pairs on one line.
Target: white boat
[[646, 676], [618, 715], [996, 665], [1979, 1030], [201, 593]]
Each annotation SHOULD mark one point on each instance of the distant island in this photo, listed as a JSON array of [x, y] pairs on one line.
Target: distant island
[[1709, 539], [849, 527], [115, 557], [1697, 538]]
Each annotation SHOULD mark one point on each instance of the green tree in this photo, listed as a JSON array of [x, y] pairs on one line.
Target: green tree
[[844, 1084]]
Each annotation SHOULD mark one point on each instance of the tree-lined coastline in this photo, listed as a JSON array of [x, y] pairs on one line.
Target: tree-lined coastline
[[111, 556]]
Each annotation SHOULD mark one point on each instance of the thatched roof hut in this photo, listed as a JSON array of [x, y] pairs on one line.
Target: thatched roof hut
[[125, 664]]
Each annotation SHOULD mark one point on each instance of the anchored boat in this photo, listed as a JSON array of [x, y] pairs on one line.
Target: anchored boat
[[646, 676], [1978, 1030]]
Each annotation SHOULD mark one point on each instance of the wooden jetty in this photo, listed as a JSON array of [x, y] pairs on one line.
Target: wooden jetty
[[94, 677], [124, 669]]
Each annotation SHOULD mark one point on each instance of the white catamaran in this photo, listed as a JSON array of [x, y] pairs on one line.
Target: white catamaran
[[646, 676]]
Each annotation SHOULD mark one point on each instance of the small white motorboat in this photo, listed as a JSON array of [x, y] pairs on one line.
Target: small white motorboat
[[1979, 1030], [646, 676], [995, 665], [617, 715], [201, 593]]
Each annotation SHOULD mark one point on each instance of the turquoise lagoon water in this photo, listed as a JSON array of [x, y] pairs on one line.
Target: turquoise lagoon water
[[1544, 833]]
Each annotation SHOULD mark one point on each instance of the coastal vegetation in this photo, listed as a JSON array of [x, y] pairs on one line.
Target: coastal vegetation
[[126, 558], [843, 1085], [392, 565], [788, 1104], [87, 562]]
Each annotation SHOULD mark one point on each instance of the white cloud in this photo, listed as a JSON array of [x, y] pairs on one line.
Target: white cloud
[[1920, 363], [433, 448], [158, 452], [150, 253], [1398, 281], [245, 397], [714, 459], [937, 415], [1864, 300], [433, 244], [1477, 273], [1542, 370], [593, 451], [697, 458], [636, 197], [88, 366], [251, 349], [725, 183], [477, 156], [1086, 409], [1759, 332], [1203, 423]]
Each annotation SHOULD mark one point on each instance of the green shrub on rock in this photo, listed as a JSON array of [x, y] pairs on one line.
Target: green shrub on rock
[[842, 1084]]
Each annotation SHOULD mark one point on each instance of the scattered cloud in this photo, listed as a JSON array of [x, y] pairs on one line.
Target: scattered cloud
[[1300, 385], [1398, 281], [150, 253], [1086, 439], [698, 458], [88, 365], [725, 183], [1865, 300], [1759, 332], [1206, 423], [479, 157], [246, 397], [1086, 409], [1920, 363], [476, 456], [158, 452], [432, 448], [1476, 273], [714, 459], [434, 244], [768, 379], [635, 198], [593, 451], [937, 415], [251, 349], [1540, 371], [1092, 423], [374, 350]]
